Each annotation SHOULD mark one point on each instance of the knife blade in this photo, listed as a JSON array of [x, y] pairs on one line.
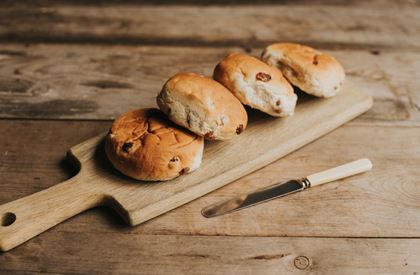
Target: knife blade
[[285, 188], [258, 196]]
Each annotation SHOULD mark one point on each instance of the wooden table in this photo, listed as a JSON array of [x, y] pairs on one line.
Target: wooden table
[[67, 68]]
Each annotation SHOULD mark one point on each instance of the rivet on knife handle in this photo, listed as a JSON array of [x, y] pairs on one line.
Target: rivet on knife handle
[[284, 188]]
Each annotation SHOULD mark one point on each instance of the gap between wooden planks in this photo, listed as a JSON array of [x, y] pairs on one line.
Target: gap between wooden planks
[[377, 25], [94, 253], [91, 82], [381, 203], [393, 33]]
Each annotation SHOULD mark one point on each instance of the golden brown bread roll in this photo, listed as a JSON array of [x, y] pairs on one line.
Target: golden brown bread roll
[[203, 106], [145, 145], [313, 72], [256, 84]]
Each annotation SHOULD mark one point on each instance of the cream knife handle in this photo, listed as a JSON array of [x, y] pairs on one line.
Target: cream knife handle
[[339, 172]]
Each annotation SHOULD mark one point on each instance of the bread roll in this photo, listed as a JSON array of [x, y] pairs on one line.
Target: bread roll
[[203, 106], [145, 145], [313, 72], [256, 84]]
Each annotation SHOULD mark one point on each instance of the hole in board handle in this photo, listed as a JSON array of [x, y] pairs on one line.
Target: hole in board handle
[[8, 219]]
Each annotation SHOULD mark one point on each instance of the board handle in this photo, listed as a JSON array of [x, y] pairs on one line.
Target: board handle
[[343, 171], [27, 217]]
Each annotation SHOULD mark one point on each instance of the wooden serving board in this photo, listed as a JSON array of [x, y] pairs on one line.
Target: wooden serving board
[[98, 183]]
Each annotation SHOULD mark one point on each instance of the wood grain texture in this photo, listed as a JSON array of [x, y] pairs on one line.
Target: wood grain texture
[[382, 203], [122, 253], [378, 43], [92, 82], [41, 3], [21, 143], [97, 183], [357, 26]]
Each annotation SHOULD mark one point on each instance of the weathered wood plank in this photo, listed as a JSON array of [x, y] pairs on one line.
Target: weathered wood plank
[[33, 153], [42, 82], [331, 26], [376, 3], [119, 253], [381, 203], [93, 82]]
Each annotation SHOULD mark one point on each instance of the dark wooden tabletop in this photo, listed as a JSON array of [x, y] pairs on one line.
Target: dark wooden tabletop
[[67, 68]]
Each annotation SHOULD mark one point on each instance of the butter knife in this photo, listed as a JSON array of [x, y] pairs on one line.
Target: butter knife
[[285, 188]]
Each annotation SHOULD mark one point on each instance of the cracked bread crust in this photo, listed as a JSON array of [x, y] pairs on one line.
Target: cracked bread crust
[[313, 72], [203, 106], [145, 145], [256, 84]]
